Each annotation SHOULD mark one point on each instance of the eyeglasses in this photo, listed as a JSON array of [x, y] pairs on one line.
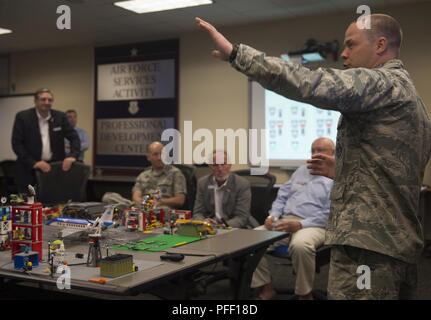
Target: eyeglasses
[[218, 164], [46, 99]]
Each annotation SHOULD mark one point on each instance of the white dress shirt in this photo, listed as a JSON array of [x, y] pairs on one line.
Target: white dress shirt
[[44, 134], [219, 192]]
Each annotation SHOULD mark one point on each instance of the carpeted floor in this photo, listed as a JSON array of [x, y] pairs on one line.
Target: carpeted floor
[[284, 280]]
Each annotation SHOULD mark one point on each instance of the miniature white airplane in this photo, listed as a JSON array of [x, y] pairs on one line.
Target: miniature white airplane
[[74, 226]]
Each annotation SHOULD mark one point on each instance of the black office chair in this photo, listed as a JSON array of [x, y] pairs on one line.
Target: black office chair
[[7, 177], [261, 188], [58, 186], [189, 173], [202, 170]]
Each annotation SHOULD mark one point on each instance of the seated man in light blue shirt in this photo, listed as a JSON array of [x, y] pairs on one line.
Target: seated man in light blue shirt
[[72, 116], [302, 209]]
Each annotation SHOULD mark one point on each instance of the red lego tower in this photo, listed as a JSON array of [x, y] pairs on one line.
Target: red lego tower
[[27, 228]]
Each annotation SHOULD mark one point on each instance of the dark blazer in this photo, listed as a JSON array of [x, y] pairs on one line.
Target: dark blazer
[[27, 142], [236, 201]]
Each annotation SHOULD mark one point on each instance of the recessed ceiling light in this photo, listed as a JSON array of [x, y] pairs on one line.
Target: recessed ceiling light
[[145, 6], [4, 31]]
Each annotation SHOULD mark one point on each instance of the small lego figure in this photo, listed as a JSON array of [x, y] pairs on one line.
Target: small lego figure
[[57, 248], [147, 203], [56, 252], [28, 266], [18, 235], [27, 234], [150, 201]]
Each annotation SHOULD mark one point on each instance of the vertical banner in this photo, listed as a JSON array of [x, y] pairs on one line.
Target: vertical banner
[[136, 98]]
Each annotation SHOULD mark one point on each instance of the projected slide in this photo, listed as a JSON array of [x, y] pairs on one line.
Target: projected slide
[[291, 126]]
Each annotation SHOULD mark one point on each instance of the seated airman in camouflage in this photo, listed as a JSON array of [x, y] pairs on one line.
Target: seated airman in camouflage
[[166, 180]]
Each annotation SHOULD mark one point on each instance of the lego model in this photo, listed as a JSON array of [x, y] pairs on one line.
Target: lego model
[[5, 225], [134, 220], [56, 252], [194, 228], [149, 202], [78, 226], [26, 260], [116, 265], [27, 227], [181, 214], [148, 216], [57, 248], [94, 251], [174, 214], [151, 222]]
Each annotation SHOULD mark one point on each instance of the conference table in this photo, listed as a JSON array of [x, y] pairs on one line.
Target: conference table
[[241, 249]]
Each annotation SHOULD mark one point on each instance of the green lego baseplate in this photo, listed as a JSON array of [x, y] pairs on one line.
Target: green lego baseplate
[[157, 243]]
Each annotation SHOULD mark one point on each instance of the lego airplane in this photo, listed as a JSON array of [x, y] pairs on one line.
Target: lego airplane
[[74, 226]]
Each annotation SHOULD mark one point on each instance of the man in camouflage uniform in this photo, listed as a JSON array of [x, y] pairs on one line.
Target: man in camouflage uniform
[[383, 146], [166, 179]]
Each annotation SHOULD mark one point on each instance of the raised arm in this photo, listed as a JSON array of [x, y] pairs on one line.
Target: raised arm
[[348, 91]]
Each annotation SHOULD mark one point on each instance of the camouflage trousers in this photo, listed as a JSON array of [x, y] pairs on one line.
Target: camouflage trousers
[[388, 278]]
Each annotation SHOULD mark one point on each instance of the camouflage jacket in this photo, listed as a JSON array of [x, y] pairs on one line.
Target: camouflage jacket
[[383, 146], [169, 181]]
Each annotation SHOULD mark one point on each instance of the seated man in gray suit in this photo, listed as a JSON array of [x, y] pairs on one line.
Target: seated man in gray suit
[[224, 197]]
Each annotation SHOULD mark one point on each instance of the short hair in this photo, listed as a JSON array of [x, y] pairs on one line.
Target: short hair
[[383, 25], [153, 143], [72, 111], [327, 140], [40, 91]]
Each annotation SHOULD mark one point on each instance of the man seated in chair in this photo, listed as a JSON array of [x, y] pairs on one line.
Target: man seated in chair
[[166, 179], [301, 209], [224, 198]]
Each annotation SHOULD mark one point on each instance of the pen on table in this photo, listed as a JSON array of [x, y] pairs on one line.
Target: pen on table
[[180, 243]]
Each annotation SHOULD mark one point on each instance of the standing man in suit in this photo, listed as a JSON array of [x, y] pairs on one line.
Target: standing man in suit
[[38, 139], [224, 197]]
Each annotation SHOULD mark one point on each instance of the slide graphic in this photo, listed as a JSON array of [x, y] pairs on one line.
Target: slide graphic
[[293, 126]]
